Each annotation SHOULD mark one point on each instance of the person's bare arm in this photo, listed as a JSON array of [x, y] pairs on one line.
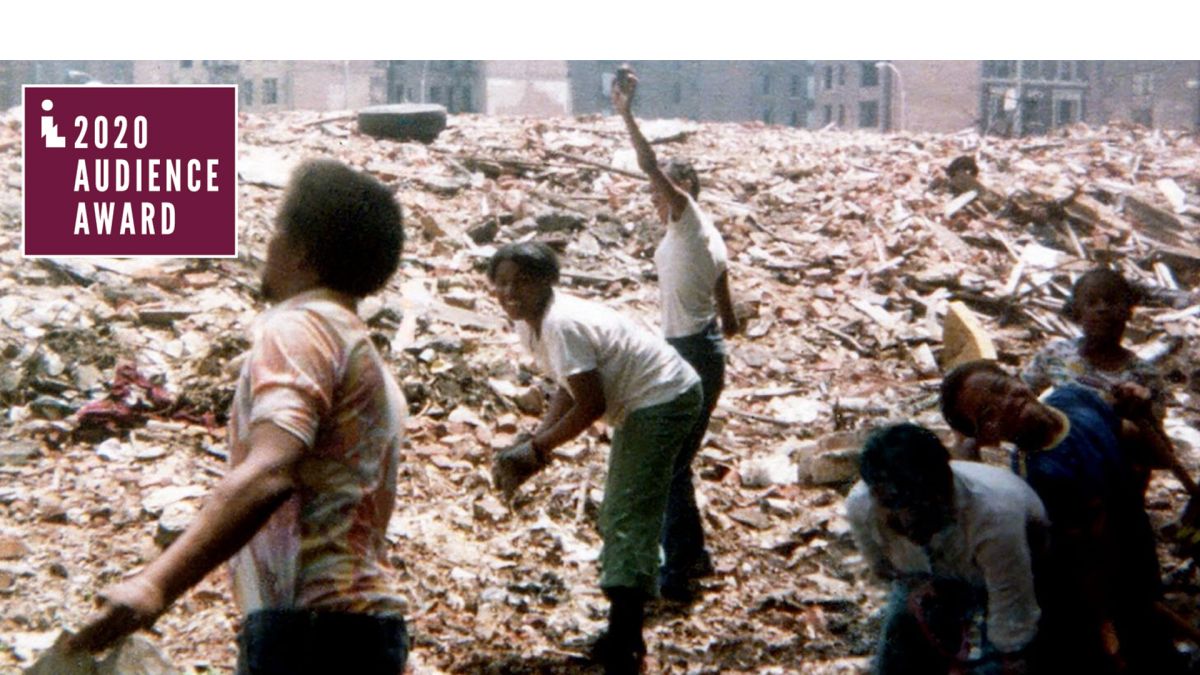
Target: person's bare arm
[[586, 405], [237, 508], [560, 403], [647, 161], [730, 325]]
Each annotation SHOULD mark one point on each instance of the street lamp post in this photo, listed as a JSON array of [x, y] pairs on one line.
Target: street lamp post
[[899, 85]]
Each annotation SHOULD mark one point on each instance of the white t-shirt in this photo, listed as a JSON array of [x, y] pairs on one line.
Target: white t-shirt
[[637, 369], [986, 545], [690, 259]]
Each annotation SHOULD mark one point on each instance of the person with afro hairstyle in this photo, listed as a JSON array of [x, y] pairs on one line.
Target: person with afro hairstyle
[[957, 539], [693, 277], [607, 366], [1103, 565], [315, 431]]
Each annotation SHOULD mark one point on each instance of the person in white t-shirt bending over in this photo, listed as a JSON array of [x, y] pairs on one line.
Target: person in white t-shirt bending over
[[693, 279], [604, 365]]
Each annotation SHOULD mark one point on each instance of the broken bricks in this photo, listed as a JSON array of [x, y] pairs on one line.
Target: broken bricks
[[840, 248]]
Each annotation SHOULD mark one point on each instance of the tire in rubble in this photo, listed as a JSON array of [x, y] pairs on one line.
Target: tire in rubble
[[403, 121]]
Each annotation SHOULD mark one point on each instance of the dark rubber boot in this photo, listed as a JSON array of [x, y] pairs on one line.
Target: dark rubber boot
[[621, 649]]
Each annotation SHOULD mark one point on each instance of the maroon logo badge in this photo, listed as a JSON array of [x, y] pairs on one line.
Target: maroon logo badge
[[130, 171]]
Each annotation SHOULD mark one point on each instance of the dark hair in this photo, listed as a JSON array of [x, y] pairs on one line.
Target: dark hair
[[682, 173], [1101, 280], [532, 257], [347, 223], [906, 456], [952, 386]]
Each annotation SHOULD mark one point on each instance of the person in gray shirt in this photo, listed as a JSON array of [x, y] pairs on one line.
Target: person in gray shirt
[[957, 539]]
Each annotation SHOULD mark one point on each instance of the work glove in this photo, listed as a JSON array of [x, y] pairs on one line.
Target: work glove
[[514, 465]]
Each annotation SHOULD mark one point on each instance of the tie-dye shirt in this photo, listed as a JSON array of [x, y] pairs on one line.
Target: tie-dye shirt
[[313, 372], [1059, 363]]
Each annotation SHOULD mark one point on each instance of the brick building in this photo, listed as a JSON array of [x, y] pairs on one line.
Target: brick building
[[937, 96], [849, 95], [458, 85], [1033, 97], [530, 88], [1161, 94], [279, 85], [774, 92], [14, 74]]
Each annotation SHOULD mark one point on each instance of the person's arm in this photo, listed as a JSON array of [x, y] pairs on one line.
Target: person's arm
[[864, 530], [560, 403], [647, 161], [237, 508], [730, 325], [584, 404]]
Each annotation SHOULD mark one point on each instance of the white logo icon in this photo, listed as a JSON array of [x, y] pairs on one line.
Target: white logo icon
[[50, 129]]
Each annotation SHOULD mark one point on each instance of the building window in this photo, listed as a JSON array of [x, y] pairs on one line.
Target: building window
[[1048, 69], [410, 95], [841, 74], [766, 83], [868, 114], [829, 77], [246, 93], [398, 92], [435, 94], [270, 93], [185, 64], [870, 74], [828, 114], [1066, 113], [841, 115], [1064, 70], [1081, 71], [1029, 69], [1143, 84]]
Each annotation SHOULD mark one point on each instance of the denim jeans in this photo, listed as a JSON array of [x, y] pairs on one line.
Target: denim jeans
[[302, 642], [683, 533]]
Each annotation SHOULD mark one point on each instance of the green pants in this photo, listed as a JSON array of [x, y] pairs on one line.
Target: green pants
[[640, 466]]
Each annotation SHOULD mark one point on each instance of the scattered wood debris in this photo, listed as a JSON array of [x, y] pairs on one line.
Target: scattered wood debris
[[847, 252]]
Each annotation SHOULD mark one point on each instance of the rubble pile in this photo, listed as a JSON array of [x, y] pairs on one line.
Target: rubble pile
[[846, 249]]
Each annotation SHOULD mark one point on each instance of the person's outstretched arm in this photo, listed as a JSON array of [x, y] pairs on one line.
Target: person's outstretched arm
[[237, 508], [622, 98]]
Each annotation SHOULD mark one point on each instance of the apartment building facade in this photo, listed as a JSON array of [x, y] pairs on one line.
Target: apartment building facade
[[773, 92], [1160, 94], [14, 74], [457, 85], [279, 85], [934, 96]]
